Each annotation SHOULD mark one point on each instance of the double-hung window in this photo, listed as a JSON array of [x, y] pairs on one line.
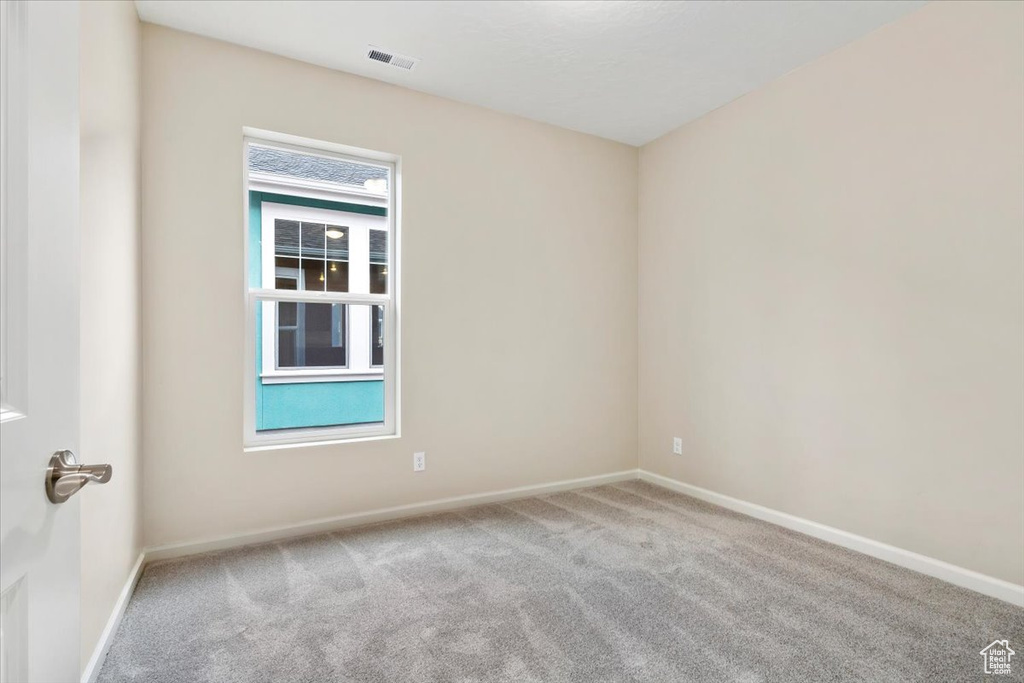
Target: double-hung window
[[322, 274]]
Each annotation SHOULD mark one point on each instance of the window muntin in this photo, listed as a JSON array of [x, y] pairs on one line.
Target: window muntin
[[321, 298]]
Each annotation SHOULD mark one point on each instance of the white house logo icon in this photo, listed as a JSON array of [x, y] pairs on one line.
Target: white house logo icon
[[997, 657]]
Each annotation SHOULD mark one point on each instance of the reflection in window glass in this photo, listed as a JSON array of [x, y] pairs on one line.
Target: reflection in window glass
[[311, 335], [286, 273], [337, 276], [378, 262], [314, 240], [337, 242], [311, 257], [286, 238], [377, 336]]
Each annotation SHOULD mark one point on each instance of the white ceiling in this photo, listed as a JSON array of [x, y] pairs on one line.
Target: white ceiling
[[628, 71]]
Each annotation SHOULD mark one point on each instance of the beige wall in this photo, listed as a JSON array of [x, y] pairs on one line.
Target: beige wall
[[519, 295], [831, 304], [110, 326]]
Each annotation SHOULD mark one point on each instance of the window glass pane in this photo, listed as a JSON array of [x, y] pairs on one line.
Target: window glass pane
[[378, 246], [337, 242], [313, 278], [286, 273], [287, 315], [286, 347], [313, 240], [378, 279], [311, 335], [377, 336], [286, 237], [378, 262], [337, 276]]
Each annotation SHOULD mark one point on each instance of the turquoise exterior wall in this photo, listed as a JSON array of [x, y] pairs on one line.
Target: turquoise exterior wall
[[321, 404], [309, 404]]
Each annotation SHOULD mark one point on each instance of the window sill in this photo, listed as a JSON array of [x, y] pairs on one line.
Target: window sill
[[300, 442], [307, 376]]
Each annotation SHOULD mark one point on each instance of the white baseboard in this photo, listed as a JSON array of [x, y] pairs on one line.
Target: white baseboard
[[92, 669], [277, 533], [958, 576]]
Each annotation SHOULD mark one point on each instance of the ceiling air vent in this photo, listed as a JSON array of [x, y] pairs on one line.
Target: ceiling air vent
[[391, 58]]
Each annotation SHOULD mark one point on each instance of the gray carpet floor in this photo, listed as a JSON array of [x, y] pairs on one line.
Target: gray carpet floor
[[627, 582]]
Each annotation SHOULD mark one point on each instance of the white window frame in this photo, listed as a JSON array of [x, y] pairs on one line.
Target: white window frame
[[357, 343], [256, 296]]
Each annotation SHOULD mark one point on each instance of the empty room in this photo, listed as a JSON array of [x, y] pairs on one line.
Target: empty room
[[511, 341]]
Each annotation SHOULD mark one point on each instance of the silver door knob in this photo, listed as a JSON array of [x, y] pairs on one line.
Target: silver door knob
[[64, 476]]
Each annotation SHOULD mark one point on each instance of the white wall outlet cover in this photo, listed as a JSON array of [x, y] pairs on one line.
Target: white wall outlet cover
[[419, 462], [677, 445]]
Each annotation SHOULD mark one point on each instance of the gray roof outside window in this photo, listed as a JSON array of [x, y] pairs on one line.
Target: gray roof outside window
[[309, 167]]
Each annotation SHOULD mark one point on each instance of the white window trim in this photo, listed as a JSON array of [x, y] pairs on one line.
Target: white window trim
[[261, 182], [358, 351], [391, 427]]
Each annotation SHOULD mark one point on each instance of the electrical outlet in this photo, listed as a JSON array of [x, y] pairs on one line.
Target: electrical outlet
[[677, 445], [419, 462]]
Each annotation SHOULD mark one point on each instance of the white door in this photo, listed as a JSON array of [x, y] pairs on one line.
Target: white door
[[39, 546]]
